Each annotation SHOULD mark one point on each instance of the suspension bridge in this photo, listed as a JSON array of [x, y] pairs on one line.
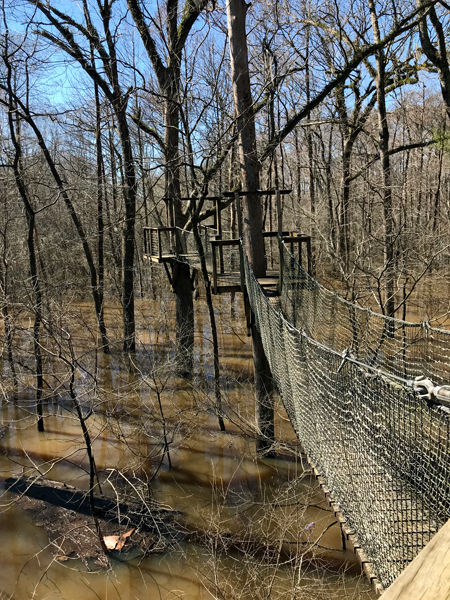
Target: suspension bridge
[[365, 393]]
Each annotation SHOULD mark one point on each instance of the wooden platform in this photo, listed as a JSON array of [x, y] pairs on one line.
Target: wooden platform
[[231, 282], [159, 259]]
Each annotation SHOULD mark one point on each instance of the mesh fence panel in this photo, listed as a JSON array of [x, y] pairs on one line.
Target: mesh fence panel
[[382, 450], [397, 347]]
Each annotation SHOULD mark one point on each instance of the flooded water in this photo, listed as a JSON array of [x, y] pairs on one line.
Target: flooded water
[[252, 528]]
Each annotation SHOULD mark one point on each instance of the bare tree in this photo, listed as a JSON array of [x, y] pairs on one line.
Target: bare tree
[[252, 212], [108, 80]]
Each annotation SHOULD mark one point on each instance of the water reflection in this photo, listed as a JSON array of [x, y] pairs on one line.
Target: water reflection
[[246, 520]]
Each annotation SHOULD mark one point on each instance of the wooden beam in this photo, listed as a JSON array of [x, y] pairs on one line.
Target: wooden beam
[[159, 245], [309, 256], [232, 194], [256, 193], [273, 233], [296, 238], [280, 245], [232, 242], [214, 267], [159, 228], [241, 250]]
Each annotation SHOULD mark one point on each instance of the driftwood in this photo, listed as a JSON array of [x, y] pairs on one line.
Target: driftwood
[[64, 512]]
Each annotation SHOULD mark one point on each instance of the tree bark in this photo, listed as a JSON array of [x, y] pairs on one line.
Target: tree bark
[[181, 275], [129, 342], [247, 154], [100, 309], [252, 209]]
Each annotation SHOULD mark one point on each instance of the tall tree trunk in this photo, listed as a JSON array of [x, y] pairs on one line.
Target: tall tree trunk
[[247, 154], [383, 129], [436, 52], [112, 212], [35, 282], [129, 185], [252, 209], [309, 143], [100, 308], [344, 231], [181, 275]]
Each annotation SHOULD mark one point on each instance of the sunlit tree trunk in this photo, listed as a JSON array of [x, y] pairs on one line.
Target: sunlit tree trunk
[[383, 130], [252, 210]]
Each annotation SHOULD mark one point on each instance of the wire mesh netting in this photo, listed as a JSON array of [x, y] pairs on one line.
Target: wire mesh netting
[[381, 449], [398, 347]]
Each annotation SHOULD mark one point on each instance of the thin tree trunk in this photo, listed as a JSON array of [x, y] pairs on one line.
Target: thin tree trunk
[[14, 132], [76, 221], [129, 189], [212, 320], [89, 450], [309, 143], [389, 235], [7, 321], [100, 306]]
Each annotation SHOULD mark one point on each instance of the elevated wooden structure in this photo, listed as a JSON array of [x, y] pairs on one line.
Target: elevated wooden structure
[[224, 254]]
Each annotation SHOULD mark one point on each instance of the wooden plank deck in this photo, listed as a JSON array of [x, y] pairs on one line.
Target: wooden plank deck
[[231, 282], [159, 259]]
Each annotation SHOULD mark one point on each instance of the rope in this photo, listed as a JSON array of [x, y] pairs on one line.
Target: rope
[[394, 346]]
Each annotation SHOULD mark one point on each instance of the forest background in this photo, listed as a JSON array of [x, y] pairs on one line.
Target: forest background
[[113, 111]]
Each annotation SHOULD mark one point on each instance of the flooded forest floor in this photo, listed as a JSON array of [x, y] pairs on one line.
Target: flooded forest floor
[[186, 510]]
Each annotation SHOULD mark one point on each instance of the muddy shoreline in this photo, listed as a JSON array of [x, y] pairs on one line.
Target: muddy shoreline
[[64, 512]]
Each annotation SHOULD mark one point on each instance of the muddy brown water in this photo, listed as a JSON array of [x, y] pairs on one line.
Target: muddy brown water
[[217, 485]]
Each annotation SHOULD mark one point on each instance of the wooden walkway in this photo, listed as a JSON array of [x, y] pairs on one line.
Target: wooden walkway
[[231, 282], [427, 577]]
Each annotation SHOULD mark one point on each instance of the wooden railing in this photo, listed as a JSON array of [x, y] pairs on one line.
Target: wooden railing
[[292, 238]]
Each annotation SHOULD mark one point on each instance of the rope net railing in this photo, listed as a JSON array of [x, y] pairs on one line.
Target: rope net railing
[[398, 347], [381, 449]]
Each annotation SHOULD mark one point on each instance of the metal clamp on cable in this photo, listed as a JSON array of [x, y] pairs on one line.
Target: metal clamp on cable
[[426, 390], [344, 355]]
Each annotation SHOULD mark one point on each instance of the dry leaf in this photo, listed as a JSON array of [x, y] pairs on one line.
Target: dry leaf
[[111, 541], [62, 558], [122, 540], [116, 542]]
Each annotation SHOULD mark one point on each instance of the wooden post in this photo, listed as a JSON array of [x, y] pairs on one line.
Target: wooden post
[[280, 242], [159, 245], [218, 218], [241, 250], [218, 221], [309, 252], [214, 266]]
